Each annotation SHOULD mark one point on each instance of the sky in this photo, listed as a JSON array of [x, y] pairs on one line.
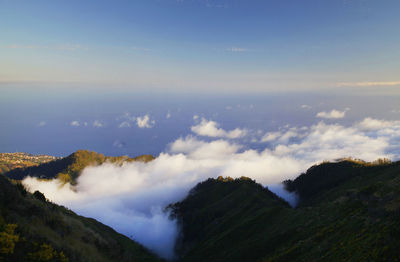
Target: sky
[[202, 45]]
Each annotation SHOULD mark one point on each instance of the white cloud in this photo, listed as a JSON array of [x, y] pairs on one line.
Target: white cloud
[[271, 136], [141, 121], [291, 133], [329, 142], [284, 136], [211, 128], [98, 123], [130, 197], [145, 122], [128, 120], [368, 83], [42, 123], [237, 49], [124, 124], [371, 124], [75, 123], [199, 149], [334, 114], [168, 116], [306, 107], [118, 144]]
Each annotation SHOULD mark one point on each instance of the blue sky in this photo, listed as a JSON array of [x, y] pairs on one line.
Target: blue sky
[[199, 45]]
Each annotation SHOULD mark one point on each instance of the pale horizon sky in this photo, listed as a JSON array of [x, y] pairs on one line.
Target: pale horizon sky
[[202, 45]]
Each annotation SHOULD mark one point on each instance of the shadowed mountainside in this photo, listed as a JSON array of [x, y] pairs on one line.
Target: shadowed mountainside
[[349, 212], [323, 177], [217, 208], [33, 229]]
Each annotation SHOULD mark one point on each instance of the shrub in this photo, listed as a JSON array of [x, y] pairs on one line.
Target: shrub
[[8, 239], [38, 195]]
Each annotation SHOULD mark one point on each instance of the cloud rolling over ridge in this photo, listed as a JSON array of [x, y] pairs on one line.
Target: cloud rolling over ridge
[[130, 198]]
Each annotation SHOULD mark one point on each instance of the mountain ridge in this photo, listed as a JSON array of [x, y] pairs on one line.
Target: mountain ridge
[[67, 169]]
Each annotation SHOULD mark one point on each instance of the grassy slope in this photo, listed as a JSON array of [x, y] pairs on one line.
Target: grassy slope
[[349, 212], [69, 168], [44, 230]]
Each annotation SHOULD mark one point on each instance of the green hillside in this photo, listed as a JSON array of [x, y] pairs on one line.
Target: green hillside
[[69, 168], [350, 211], [33, 229]]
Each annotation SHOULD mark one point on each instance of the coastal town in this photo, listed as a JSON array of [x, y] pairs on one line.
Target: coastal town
[[10, 161]]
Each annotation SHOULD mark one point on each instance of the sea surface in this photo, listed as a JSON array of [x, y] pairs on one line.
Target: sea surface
[[60, 120]]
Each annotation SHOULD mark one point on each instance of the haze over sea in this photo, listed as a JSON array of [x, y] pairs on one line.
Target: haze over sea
[[59, 121]]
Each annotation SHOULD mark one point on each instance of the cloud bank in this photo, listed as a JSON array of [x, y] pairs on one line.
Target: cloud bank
[[130, 198], [367, 84]]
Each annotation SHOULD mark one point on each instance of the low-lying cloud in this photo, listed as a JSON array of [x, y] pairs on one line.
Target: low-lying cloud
[[211, 128], [145, 122], [334, 114], [131, 198], [75, 123], [42, 123], [98, 123], [368, 83], [129, 120]]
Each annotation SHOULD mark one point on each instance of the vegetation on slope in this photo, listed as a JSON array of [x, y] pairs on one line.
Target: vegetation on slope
[[321, 178], [350, 212], [33, 229], [217, 221], [68, 169]]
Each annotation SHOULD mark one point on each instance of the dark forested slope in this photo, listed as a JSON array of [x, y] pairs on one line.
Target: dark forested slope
[[350, 211], [33, 229]]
